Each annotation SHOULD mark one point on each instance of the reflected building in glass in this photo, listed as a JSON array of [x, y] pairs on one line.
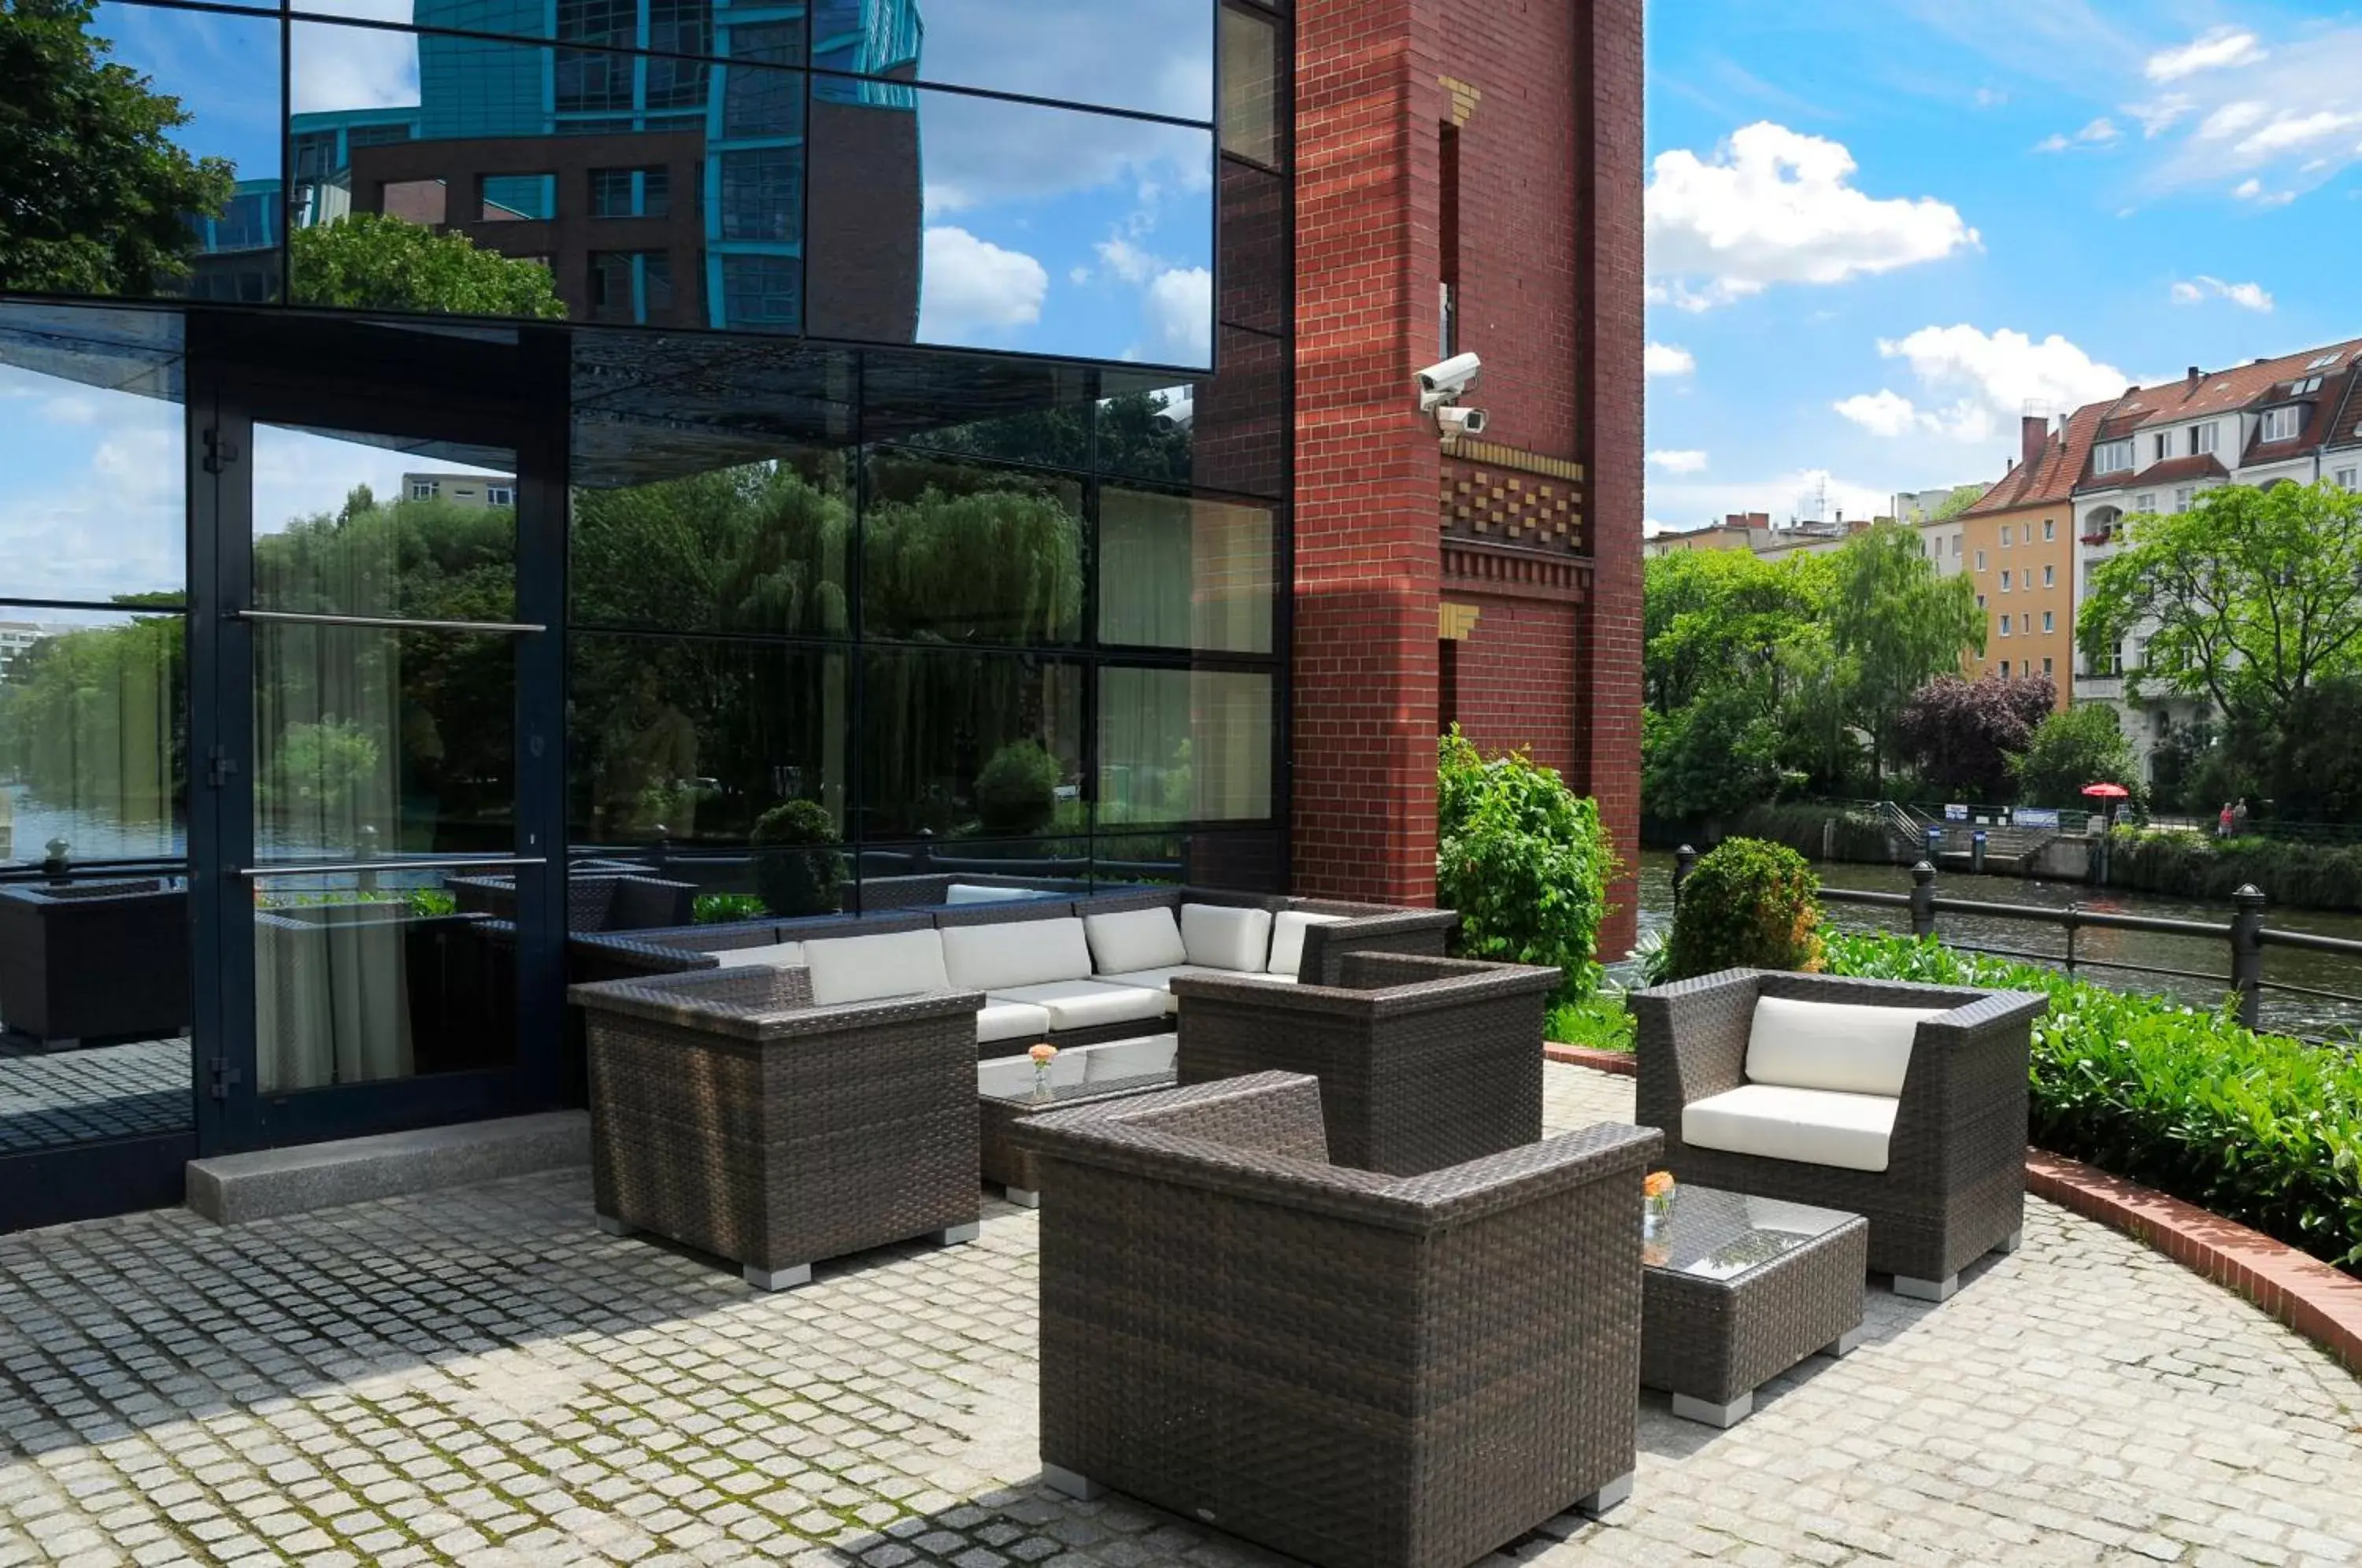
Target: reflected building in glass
[[475, 471]]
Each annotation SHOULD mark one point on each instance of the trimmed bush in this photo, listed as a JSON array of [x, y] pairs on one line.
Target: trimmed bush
[[1017, 793], [2257, 1128], [1748, 904], [2196, 866], [718, 909], [798, 870], [1525, 861]]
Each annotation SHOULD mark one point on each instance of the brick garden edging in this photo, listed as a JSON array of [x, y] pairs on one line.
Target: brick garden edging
[[2321, 1303]]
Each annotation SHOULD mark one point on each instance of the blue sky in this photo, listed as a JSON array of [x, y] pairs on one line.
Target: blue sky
[[1879, 228]]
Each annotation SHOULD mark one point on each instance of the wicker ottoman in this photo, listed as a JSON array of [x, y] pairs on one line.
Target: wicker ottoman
[[1735, 1290]]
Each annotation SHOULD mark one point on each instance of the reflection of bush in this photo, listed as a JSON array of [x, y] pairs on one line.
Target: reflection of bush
[[798, 870], [375, 262], [1017, 793]]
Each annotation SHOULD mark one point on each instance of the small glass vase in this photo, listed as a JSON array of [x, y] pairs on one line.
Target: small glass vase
[[1042, 1095], [1656, 1216]]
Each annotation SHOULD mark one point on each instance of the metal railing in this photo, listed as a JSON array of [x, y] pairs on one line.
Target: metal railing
[[2244, 936]]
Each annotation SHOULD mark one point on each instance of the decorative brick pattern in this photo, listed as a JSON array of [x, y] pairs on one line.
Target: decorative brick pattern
[[1512, 505]]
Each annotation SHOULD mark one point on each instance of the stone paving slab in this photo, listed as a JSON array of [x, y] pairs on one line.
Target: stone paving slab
[[61, 1098], [479, 1376]]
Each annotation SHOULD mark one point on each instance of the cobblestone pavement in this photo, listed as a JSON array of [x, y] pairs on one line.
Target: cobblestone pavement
[[101, 1091], [480, 1378]]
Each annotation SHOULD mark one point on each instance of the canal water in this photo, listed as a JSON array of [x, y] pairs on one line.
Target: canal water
[[2309, 1016]]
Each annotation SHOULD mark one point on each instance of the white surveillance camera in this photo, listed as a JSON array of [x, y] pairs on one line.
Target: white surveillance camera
[[1461, 421], [1450, 378]]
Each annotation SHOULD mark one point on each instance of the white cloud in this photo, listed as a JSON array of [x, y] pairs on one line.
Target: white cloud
[[2099, 133], [1685, 461], [2252, 190], [1079, 276], [1127, 260], [2161, 115], [1665, 360], [1179, 305], [1991, 97], [2217, 51], [355, 68], [70, 411], [974, 286], [1784, 495], [2247, 296], [2247, 190], [2299, 131], [2228, 121], [1990, 379], [1882, 413], [1774, 207]]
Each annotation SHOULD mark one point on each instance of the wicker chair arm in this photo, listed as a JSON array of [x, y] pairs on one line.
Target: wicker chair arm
[[769, 1004], [1610, 1153], [1690, 1041], [1407, 984], [1969, 1062], [611, 954]]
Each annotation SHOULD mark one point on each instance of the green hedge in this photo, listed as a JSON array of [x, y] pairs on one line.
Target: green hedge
[[2257, 1128], [1747, 904], [1860, 836], [2196, 866]]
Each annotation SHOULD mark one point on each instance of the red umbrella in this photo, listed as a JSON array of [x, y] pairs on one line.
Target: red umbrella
[[2107, 791]]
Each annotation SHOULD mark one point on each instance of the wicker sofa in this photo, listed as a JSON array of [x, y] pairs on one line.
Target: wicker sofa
[[1793, 1087], [730, 1113], [1423, 1062], [1358, 1370], [94, 961], [597, 900], [1050, 966]]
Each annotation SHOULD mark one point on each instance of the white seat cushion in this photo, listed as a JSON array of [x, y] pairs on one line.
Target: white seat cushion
[[1831, 1045], [1135, 938], [1222, 938], [1162, 979], [1015, 952], [1089, 1004], [866, 968], [1814, 1127], [779, 956], [974, 893], [997, 1021], [1287, 938]]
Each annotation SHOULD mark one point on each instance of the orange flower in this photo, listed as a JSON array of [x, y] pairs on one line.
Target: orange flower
[[1043, 1054], [1658, 1184]]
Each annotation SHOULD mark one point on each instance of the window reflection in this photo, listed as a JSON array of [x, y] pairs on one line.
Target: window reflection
[[1150, 55], [693, 740], [1184, 745], [965, 552], [1183, 572], [170, 188], [966, 746], [754, 548], [1251, 102], [93, 735]]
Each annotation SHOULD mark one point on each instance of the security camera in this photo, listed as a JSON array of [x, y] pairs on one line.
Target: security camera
[[1461, 421], [1443, 383]]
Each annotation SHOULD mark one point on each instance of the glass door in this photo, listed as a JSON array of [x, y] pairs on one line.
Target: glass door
[[386, 955]]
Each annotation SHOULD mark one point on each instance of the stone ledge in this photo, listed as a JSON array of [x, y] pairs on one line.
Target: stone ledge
[[231, 1189], [1620, 1063], [2321, 1303]]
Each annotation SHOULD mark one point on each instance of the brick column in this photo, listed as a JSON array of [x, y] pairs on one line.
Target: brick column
[[1609, 163], [1366, 465]]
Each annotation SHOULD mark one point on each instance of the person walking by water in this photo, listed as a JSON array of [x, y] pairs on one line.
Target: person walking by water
[[2239, 818], [2223, 823]]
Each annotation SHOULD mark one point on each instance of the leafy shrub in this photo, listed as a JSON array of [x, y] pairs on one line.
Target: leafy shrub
[[1962, 732], [1525, 861], [1598, 1022], [2084, 745], [1800, 824], [2196, 865], [1017, 793], [1747, 904], [798, 868], [720, 908], [2257, 1128]]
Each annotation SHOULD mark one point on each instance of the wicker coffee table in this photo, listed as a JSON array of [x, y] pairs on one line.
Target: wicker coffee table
[[1005, 1096], [1736, 1290]]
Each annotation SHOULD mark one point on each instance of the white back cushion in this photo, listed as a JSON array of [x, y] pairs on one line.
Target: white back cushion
[[1135, 939], [1832, 1046], [779, 956], [1221, 938], [1015, 952], [971, 893], [863, 969], [1287, 938]]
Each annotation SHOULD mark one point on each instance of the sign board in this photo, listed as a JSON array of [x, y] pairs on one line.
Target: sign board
[[2035, 816], [1956, 813]]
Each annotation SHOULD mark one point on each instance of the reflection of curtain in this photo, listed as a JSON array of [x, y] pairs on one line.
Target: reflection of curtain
[[1176, 744], [332, 1003], [1182, 573]]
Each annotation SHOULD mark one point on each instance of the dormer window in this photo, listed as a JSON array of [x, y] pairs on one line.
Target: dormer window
[[2282, 424], [2112, 457]]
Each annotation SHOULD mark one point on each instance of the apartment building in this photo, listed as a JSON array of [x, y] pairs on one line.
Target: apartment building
[[2296, 418], [2016, 544]]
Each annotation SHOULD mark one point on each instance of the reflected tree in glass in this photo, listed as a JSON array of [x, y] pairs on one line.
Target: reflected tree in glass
[[959, 553], [93, 724]]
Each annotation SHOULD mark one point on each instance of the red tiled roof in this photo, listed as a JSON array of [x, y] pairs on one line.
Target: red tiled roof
[[2051, 476], [2204, 466], [2264, 382]]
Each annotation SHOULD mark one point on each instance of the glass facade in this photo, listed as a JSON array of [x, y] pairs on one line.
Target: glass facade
[[878, 405]]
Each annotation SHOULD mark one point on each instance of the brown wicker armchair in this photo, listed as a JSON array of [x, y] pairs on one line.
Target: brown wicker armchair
[[1423, 1062], [730, 1113], [1362, 1370], [1953, 1182]]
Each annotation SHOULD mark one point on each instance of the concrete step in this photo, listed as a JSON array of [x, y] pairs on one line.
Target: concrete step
[[230, 1189]]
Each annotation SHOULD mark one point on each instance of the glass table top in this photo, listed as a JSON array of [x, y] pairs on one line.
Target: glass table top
[[1706, 1233]]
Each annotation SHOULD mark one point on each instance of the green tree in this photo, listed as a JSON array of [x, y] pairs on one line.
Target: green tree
[[1963, 496], [376, 262], [1896, 623], [95, 198], [2252, 597], [1727, 642], [2084, 745]]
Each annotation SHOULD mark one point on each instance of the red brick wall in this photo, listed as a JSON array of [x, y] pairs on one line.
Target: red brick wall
[[1366, 557], [1517, 677]]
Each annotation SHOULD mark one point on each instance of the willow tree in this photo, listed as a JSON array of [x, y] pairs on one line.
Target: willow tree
[[1896, 623]]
